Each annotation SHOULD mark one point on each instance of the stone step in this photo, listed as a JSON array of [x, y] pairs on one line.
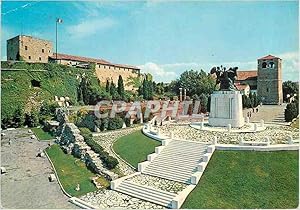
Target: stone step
[[182, 156], [169, 177], [174, 159], [192, 147], [169, 194], [161, 173], [183, 152], [186, 143], [149, 194], [172, 169]]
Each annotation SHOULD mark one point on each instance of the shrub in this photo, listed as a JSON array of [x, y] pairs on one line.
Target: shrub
[[291, 112], [109, 161], [115, 123], [104, 124], [87, 121], [32, 119]]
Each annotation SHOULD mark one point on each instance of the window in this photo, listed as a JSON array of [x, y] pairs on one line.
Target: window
[[29, 57], [264, 65], [43, 50], [271, 65], [26, 48], [40, 58], [49, 51], [267, 90], [109, 67], [104, 66], [99, 65]]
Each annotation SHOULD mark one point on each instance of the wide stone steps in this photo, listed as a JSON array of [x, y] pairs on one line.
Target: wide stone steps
[[159, 197], [177, 161]]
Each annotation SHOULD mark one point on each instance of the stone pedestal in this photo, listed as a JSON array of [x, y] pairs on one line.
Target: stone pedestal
[[226, 108]]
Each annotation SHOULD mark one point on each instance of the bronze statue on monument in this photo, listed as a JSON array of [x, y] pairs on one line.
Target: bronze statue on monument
[[225, 77]]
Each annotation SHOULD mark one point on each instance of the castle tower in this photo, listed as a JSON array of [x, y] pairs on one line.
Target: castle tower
[[29, 49], [269, 80]]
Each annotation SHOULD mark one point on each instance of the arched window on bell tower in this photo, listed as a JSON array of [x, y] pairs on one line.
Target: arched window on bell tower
[[264, 65]]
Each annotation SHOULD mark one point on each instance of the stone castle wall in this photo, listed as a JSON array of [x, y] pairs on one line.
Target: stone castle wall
[[111, 73]]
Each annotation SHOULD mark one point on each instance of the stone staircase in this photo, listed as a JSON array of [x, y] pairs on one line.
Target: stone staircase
[[177, 161], [160, 197]]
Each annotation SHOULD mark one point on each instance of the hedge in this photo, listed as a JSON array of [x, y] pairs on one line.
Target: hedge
[[109, 161]]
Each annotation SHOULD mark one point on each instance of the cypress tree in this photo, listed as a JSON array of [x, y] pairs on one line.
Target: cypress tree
[[107, 86], [121, 87]]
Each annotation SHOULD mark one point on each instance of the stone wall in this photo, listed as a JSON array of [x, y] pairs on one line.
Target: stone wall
[[73, 143], [105, 72]]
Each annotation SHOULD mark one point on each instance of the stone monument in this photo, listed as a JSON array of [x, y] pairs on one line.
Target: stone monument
[[226, 104]]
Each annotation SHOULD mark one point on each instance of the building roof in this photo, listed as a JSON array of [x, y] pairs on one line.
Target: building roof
[[241, 87], [88, 60], [268, 57], [247, 75]]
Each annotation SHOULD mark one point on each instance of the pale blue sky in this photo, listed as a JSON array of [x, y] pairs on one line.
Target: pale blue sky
[[164, 38]]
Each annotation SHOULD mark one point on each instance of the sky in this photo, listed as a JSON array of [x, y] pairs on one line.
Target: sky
[[164, 38]]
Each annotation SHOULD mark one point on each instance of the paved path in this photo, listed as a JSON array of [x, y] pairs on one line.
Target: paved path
[[26, 185], [269, 113]]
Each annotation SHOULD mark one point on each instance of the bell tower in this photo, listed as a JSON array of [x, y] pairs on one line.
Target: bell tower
[[269, 80]]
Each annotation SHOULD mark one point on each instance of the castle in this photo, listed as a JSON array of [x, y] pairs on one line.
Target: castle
[[266, 81], [35, 50]]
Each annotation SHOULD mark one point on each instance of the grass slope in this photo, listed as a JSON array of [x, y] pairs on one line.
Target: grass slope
[[17, 90], [240, 179], [71, 171], [41, 134], [135, 147]]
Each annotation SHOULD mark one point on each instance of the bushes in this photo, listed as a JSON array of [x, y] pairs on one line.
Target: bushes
[[115, 123], [291, 112], [109, 161], [87, 121]]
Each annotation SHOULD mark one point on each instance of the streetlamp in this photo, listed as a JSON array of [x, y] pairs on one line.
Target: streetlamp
[[58, 20]]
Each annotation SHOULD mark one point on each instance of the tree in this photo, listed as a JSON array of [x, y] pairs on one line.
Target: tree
[[32, 119], [291, 111], [196, 82], [121, 87], [107, 88], [146, 89], [113, 90], [289, 88], [203, 102], [19, 117], [47, 111], [136, 82]]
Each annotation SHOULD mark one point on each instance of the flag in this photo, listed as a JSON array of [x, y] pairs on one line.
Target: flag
[[58, 20]]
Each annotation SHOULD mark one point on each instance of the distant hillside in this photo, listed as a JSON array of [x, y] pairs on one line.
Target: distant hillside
[[27, 85]]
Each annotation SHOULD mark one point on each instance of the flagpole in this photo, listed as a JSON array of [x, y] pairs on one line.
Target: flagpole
[[56, 39]]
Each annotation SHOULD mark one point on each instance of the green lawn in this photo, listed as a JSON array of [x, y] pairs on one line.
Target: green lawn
[[240, 179], [41, 134], [135, 147], [71, 171]]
